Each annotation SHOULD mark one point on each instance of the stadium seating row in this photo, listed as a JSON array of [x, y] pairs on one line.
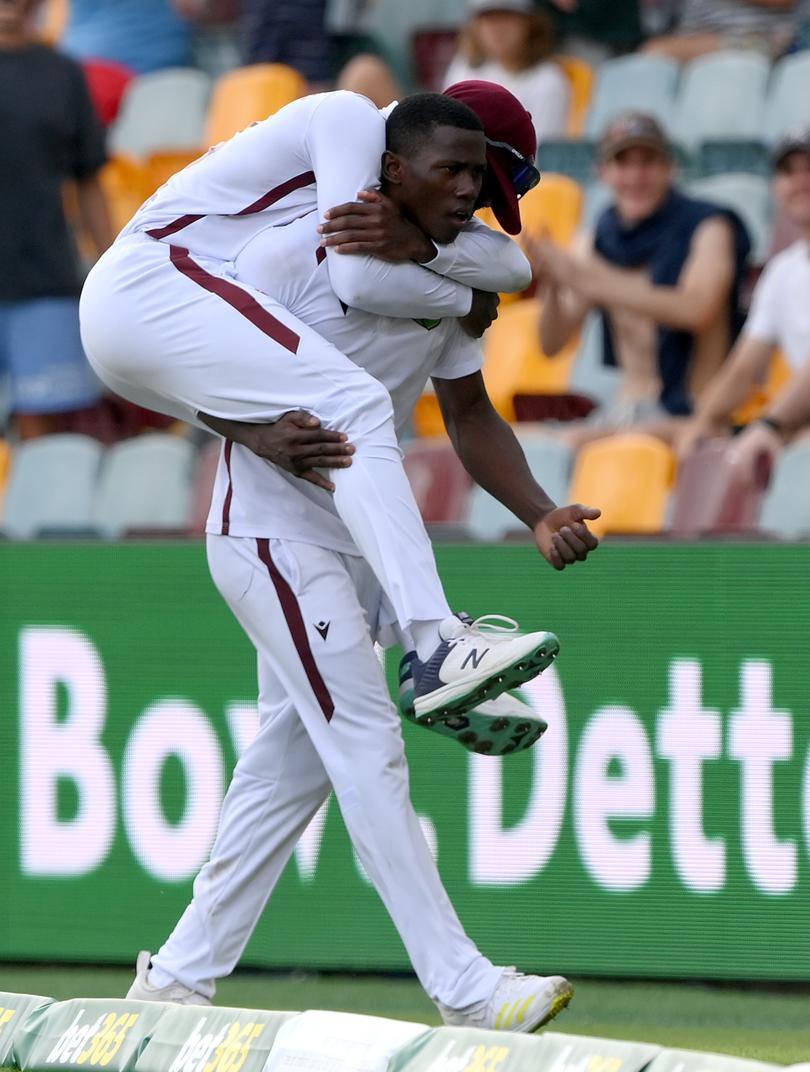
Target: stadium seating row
[[527, 384], [68, 485], [634, 480], [72, 485]]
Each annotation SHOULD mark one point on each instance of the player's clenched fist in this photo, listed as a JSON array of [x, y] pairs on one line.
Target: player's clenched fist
[[483, 311], [563, 537], [297, 443]]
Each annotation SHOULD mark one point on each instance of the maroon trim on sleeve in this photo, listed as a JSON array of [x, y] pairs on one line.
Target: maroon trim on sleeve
[[298, 631], [237, 298], [173, 227], [226, 502], [307, 178]]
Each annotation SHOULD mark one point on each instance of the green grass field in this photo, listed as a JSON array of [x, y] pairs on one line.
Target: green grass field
[[769, 1025]]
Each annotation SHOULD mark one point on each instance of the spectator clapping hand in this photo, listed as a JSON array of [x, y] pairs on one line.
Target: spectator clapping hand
[[758, 445]]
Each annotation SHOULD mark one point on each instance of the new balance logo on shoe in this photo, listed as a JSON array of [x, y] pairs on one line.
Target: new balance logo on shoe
[[323, 628], [474, 658]]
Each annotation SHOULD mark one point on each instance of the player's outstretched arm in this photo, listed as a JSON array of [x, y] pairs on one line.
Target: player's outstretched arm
[[480, 257], [491, 454]]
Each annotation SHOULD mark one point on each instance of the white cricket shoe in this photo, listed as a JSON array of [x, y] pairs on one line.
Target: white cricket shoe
[[521, 1004], [176, 993], [475, 661]]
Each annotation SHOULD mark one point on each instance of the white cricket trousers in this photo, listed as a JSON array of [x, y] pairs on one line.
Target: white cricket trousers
[[326, 721], [170, 331]]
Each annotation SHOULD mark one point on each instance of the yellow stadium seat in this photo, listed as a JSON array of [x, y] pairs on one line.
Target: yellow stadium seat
[[427, 416], [53, 20], [514, 362], [553, 209], [778, 376], [629, 478], [580, 75], [161, 166], [125, 183], [5, 469], [249, 94]]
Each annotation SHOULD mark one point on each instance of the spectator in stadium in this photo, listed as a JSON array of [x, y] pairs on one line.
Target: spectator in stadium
[[785, 420], [510, 42], [594, 30], [50, 135], [663, 270], [779, 318], [144, 35], [709, 25], [328, 41]]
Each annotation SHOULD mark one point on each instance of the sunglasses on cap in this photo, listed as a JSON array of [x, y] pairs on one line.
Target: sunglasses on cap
[[524, 175]]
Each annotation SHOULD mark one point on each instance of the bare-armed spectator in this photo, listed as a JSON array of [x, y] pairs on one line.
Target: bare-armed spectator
[[779, 316], [664, 271], [510, 42], [50, 135], [709, 25]]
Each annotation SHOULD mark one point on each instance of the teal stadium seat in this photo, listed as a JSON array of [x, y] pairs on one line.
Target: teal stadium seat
[[786, 508], [589, 375], [146, 485], [787, 106], [163, 110], [550, 462], [52, 486], [721, 96], [749, 196], [632, 83]]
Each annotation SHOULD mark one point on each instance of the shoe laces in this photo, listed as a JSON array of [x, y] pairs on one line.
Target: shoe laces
[[491, 625]]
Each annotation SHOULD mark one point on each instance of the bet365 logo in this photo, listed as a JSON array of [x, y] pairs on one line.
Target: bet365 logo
[[95, 1043], [225, 1050]]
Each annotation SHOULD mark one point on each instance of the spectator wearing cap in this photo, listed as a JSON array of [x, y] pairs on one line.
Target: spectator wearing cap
[[663, 270], [779, 319], [510, 42], [51, 136]]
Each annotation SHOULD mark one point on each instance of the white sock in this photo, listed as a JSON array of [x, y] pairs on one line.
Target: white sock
[[426, 637]]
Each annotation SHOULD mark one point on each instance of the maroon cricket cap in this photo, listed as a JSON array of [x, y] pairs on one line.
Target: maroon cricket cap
[[504, 119]]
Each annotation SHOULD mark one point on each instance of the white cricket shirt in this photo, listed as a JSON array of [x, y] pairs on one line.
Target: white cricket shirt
[[315, 153], [251, 496]]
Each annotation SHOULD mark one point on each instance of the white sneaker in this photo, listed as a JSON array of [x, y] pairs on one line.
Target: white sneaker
[[521, 1004], [176, 993], [475, 661]]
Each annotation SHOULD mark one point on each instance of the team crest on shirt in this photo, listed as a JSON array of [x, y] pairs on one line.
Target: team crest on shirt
[[427, 323]]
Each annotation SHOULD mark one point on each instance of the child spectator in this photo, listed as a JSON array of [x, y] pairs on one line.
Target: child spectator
[[510, 42]]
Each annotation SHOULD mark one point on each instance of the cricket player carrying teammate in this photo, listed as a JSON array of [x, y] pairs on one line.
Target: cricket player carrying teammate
[[166, 326], [287, 561]]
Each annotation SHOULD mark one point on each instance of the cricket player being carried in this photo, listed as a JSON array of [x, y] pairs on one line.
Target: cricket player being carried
[[165, 324], [290, 570]]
